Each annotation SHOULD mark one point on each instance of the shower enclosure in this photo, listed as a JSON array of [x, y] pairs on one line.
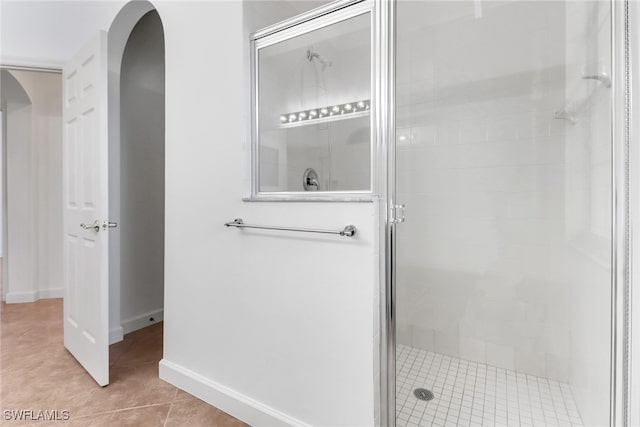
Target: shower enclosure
[[502, 275], [494, 136]]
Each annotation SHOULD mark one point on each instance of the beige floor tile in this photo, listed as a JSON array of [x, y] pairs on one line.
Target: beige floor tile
[[142, 347], [129, 387], [183, 395], [196, 413], [150, 416], [38, 373]]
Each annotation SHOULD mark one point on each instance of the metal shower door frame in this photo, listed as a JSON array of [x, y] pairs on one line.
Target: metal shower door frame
[[625, 208]]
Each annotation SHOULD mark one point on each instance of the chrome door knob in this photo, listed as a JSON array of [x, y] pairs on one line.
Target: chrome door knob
[[95, 226]]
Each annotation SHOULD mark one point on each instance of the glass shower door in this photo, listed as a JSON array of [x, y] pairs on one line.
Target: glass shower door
[[503, 160]]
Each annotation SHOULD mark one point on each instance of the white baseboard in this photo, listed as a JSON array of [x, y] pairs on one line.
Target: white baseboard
[[116, 335], [228, 400], [20, 297], [134, 323], [142, 321], [23, 297], [51, 293]]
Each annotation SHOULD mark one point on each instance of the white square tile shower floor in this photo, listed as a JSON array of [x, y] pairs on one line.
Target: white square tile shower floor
[[474, 394]]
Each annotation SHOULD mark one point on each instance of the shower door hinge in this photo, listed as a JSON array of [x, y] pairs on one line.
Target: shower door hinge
[[397, 214]]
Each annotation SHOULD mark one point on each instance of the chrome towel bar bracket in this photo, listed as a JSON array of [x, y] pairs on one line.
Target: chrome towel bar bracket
[[348, 231]]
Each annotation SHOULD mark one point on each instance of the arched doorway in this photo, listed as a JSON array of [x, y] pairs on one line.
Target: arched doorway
[[136, 169], [113, 112]]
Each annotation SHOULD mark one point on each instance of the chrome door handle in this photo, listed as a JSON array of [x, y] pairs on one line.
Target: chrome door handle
[[397, 214], [95, 226], [108, 224]]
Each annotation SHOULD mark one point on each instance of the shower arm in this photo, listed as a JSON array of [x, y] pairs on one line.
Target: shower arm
[[311, 55]]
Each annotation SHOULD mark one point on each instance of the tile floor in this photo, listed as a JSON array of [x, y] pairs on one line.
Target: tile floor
[[474, 394], [37, 373]]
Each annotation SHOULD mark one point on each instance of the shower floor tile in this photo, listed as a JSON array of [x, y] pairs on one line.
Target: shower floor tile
[[474, 394]]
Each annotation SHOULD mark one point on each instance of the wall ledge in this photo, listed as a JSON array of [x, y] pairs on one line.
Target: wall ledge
[[224, 398]]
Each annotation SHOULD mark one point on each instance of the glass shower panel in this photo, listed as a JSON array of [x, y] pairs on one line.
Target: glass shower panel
[[503, 161], [314, 95]]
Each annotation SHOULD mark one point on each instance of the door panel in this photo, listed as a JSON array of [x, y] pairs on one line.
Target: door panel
[[86, 303]]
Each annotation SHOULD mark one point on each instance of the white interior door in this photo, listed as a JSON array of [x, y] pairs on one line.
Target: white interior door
[[85, 174]]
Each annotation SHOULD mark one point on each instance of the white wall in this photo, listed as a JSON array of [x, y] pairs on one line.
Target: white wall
[[2, 180], [266, 315], [3, 197], [141, 221], [16, 107], [34, 190], [4, 276], [21, 282]]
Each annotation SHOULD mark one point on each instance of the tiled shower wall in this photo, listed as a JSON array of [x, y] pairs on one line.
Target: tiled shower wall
[[339, 152], [487, 263], [588, 207], [481, 170]]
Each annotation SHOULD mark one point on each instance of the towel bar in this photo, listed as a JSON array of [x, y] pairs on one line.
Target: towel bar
[[348, 231]]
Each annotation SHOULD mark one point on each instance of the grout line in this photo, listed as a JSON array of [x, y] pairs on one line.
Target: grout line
[[126, 346], [452, 391], [119, 410], [484, 393], [422, 364], [518, 396], [429, 404], [166, 419]]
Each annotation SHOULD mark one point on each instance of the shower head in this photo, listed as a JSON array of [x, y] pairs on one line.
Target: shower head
[[311, 55]]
